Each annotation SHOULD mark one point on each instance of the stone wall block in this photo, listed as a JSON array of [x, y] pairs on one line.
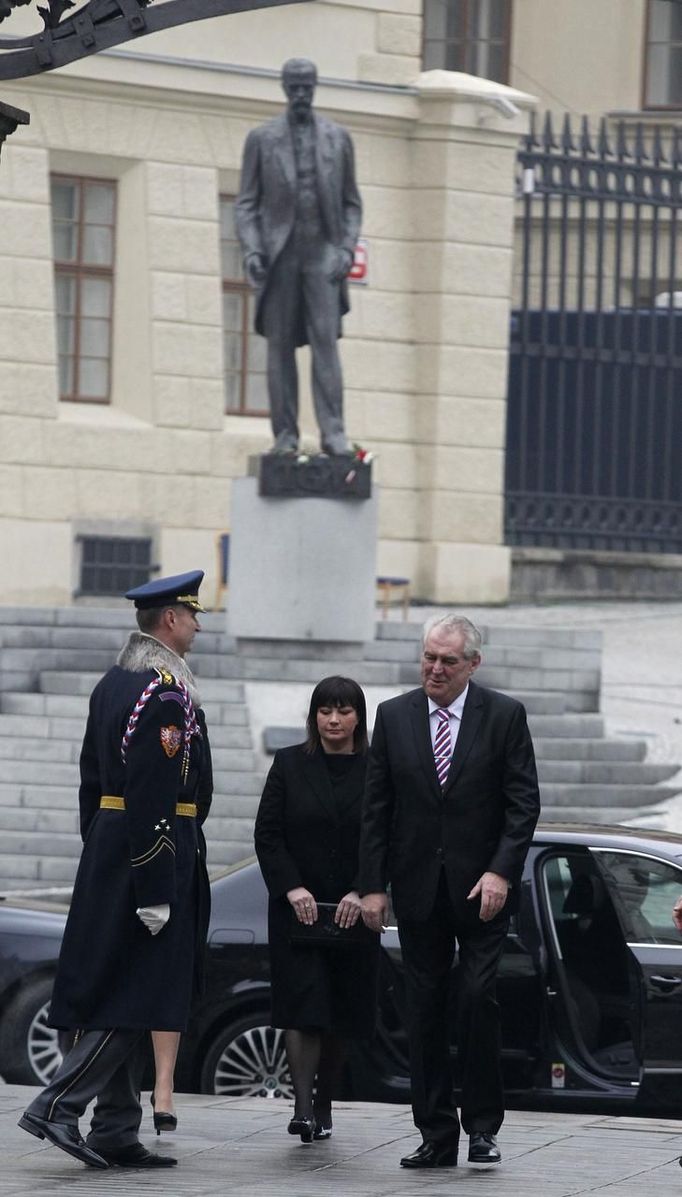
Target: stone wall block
[[11, 491], [450, 370], [389, 416], [462, 320], [53, 492], [387, 209], [22, 234], [399, 34], [26, 171], [28, 389], [399, 514], [387, 365], [21, 439], [188, 246], [396, 466], [453, 420], [27, 336], [479, 168], [380, 314], [183, 349], [463, 269], [396, 69], [462, 470]]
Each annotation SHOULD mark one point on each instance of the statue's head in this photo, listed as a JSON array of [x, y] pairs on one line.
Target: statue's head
[[299, 78]]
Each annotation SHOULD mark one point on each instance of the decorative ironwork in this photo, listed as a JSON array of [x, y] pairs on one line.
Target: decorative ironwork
[[9, 119], [100, 24], [595, 387]]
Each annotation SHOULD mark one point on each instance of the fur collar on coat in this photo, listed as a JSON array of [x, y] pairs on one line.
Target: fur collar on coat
[[143, 652]]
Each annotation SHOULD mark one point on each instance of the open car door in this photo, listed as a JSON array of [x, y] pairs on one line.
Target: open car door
[[643, 890]]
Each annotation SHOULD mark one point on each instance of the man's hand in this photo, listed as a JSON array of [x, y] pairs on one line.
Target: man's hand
[[348, 910], [493, 891], [256, 268], [677, 914], [344, 261], [304, 904], [374, 911], [154, 917]]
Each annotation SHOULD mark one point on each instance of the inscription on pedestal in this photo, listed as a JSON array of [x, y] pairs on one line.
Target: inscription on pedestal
[[282, 476]]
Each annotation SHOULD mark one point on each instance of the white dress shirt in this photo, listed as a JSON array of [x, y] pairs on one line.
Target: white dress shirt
[[454, 711]]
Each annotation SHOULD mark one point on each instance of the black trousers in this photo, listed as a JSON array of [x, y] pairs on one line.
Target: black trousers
[[106, 1065], [428, 950]]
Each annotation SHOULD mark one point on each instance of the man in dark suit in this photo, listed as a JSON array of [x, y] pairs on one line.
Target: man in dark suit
[[298, 218], [450, 806], [135, 934]]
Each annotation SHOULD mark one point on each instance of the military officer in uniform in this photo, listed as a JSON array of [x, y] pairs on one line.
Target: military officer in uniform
[[134, 939]]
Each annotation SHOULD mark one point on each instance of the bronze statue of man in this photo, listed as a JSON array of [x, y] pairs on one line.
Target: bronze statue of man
[[298, 217]]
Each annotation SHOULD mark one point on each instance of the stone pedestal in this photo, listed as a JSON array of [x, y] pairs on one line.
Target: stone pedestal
[[303, 568]]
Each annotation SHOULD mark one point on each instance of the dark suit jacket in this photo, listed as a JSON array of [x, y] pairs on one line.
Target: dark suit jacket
[[265, 208], [304, 834], [482, 820]]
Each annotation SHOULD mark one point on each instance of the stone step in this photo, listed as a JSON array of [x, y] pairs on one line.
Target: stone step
[[39, 843], [55, 682], [49, 773], [30, 749], [563, 748], [366, 673], [22, 818], [500, 634], [558, 794], [25, 645], [604, 772], [227, 855], [48, 796], [219, 828], [15, 727], [76, 706], [569, 726], [16, 871]]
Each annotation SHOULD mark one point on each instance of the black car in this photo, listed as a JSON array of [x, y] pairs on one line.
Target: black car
[[590, 985]]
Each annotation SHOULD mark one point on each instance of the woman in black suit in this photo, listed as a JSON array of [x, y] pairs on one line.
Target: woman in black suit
[[307, 838]]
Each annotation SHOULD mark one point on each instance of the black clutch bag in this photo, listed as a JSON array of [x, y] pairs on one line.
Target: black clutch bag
[[325, 933]]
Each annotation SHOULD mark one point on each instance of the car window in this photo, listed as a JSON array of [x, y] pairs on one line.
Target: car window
[[643, 893]]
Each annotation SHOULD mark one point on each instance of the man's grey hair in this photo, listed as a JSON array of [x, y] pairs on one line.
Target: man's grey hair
[[298, 66], [456, 623], [149, 618]]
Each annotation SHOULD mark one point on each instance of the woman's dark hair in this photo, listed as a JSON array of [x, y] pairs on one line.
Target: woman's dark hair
[[337, 692]]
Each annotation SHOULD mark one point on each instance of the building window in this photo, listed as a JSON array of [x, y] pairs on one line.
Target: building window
[[83, 217], [663, 84], [468, 35], [110, 565], [246, 388]]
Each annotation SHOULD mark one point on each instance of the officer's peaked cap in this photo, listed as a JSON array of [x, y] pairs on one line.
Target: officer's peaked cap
[[181, 588]]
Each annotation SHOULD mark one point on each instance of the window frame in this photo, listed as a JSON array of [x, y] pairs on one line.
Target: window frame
[[80, 271], [238, 286], [101, 539], [468, 42], [646, 44]]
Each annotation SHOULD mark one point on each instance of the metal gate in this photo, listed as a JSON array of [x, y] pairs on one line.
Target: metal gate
[[594, 425]]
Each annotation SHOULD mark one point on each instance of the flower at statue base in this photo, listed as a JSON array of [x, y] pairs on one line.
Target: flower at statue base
[[362, 455]]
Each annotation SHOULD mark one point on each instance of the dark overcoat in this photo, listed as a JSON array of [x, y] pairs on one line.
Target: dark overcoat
[[265, 209], [481, 820], [307, 834], [112, 972]]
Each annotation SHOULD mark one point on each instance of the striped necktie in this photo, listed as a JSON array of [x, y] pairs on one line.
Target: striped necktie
[[442, 748]]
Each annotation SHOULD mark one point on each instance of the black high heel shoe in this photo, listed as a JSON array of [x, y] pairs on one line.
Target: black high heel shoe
[[163, 1121], [305, 1127]]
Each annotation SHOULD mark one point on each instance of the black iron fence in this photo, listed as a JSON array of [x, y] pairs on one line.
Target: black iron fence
[[594, 429]]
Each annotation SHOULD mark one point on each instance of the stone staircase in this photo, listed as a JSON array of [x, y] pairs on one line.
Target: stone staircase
[[51, 659]]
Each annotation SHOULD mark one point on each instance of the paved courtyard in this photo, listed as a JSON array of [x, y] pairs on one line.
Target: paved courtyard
[[232, 1146]]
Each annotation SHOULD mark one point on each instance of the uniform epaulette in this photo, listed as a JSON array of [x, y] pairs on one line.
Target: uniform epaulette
[[167, 678]]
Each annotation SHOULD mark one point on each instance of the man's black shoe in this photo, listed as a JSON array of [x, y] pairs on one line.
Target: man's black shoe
[[431, 1155], [63, 1135], [483, 1148], [137, 1156]]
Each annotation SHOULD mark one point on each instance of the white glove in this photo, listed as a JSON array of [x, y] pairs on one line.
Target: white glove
[[154, 917]]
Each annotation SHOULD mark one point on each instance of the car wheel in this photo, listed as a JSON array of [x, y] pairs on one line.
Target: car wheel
[[29, 1049], [247, 1059]]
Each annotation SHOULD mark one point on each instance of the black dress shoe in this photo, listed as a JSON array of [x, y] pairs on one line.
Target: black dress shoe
[[431, 1155], [305, 1127], [483, 1148], [137, 1156], [63, 1135]]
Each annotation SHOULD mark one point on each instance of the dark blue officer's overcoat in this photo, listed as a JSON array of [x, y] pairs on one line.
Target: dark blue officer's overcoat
[[112, 972]]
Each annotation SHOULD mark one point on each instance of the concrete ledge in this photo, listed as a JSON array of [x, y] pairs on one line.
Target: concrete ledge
[[546, 575]]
